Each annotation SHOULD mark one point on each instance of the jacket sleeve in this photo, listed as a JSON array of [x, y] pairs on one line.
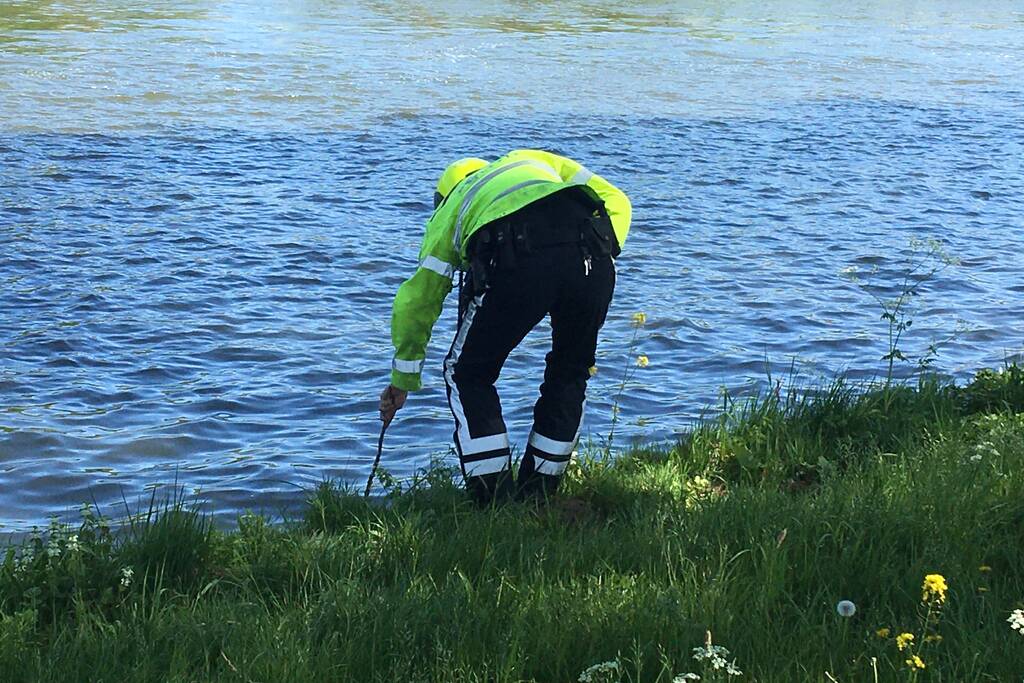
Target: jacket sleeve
[[615, 200], [418, 306]]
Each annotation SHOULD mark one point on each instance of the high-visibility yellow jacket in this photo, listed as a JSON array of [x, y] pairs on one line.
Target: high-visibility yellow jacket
[[496, 190]]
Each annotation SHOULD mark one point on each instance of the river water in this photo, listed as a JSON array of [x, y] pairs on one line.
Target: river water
[[206, 208]]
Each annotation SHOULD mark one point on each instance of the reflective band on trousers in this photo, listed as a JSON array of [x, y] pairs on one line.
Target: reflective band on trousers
[[467, 444], [436, 265], [550, 446], [482, 444], [489, 466], [549, 467], [412, 367], [467, 200]]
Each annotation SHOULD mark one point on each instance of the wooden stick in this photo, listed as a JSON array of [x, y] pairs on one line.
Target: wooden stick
[[376, 461]]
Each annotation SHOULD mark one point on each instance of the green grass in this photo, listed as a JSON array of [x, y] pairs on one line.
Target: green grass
[[753, 528]]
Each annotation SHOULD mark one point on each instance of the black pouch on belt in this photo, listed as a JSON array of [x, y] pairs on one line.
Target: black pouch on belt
[[596, 229], [521, 238], [504, 249], [600, 236], [481, 257]]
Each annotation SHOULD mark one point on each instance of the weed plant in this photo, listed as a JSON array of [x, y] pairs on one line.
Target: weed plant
[[753, 528]]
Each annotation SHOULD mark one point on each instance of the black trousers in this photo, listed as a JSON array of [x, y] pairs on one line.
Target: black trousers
[[556, 281]]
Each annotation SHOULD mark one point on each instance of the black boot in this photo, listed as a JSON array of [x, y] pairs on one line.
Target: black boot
[[491, 489], [536, 486]]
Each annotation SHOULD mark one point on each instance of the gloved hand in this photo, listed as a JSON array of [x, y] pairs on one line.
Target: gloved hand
[[391, 401]]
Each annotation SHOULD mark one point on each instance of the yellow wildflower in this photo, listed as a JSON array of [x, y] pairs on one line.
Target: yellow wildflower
[[984, 568], [642, 361], [639, 318], [882, 632], [934, 588], [936, 638], [915, 662], [903, 640], [593, 370]]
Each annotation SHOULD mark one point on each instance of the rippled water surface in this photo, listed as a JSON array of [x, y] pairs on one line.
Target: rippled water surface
[[206, 208]]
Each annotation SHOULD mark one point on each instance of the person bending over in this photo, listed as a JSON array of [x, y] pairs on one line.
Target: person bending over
[[535, 234]]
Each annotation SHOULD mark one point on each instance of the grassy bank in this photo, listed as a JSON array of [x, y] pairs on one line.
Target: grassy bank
[[753, 528]]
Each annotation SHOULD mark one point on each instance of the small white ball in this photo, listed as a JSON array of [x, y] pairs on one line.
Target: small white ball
[[846, 608]]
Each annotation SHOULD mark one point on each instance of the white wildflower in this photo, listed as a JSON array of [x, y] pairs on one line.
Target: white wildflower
[[716, 656], [605, 671], [681, 678], [1016, 621], [73, 545], [976, 457], [22, 561], [845, 608], [53, 547], [126, 576]]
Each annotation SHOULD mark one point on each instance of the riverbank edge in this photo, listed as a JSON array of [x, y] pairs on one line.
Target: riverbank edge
[[753, 528]]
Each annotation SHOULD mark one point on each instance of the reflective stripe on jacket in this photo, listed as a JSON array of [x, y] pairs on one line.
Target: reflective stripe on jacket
[[496, 190]]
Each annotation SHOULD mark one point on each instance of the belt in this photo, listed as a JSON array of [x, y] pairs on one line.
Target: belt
[[552, 233], [557, 219]]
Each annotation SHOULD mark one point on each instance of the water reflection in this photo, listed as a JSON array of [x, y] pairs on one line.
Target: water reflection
[[708, 21], [72, 15]]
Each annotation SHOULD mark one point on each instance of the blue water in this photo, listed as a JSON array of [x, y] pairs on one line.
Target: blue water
[[197, 273]]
